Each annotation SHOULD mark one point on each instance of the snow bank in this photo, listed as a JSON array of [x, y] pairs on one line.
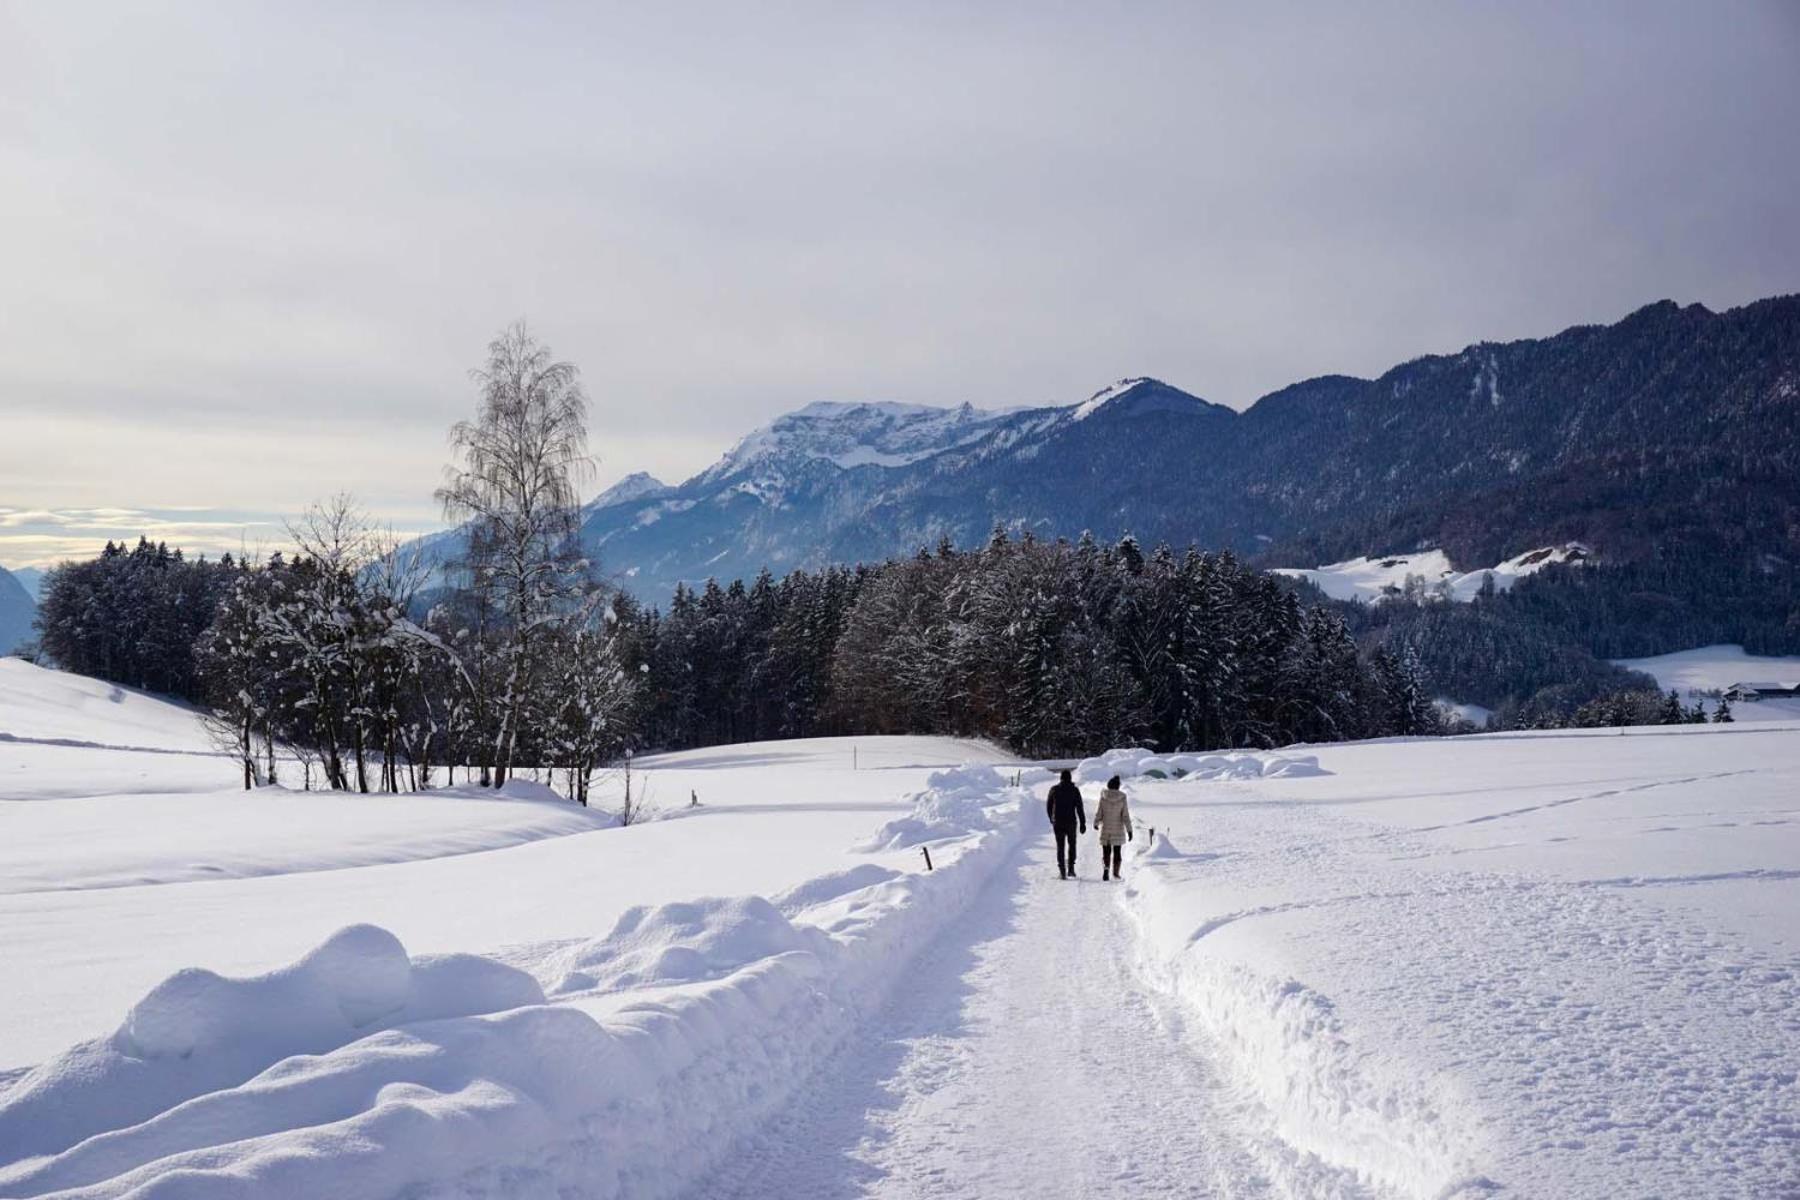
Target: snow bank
[[1329, 1094], [682, 943], [359, 1072], [954, 803], [1135, 763], [198, 1032], [825, 888]]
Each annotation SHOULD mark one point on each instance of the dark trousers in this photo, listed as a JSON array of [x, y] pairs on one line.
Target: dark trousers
[[1065, 835], [1109, 859]]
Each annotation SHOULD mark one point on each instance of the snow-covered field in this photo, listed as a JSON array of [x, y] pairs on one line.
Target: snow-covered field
[[1562, 965], [1709, 669]]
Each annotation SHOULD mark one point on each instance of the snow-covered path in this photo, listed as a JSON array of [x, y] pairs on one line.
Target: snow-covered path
[[1021, 1057]]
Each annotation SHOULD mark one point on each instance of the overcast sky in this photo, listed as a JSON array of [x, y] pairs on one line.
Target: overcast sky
[[248, 253]]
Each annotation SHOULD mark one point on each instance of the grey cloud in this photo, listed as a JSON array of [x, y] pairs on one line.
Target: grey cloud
[[251, 253]]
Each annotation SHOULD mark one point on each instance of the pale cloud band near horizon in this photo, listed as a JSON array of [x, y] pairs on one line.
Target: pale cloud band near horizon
[[42, 538]]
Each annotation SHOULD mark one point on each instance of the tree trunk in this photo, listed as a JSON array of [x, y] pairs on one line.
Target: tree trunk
[[362, 765]]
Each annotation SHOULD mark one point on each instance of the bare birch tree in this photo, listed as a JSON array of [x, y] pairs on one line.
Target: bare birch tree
[[523, 458]]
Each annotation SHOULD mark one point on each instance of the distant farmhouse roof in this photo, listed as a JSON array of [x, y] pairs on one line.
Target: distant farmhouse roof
[[1763, 690]]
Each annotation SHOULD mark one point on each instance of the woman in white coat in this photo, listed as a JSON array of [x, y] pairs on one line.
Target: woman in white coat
[[1112, 817]]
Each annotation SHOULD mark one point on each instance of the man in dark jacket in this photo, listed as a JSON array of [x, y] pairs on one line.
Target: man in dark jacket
[[1066, 815]]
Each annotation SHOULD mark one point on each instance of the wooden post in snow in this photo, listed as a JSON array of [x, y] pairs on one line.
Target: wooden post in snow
[[927, 852]]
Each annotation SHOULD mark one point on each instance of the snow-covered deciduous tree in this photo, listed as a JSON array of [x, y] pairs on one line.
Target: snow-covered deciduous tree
[[522, 459]]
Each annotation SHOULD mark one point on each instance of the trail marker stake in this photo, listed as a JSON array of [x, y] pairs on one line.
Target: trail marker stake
[[927, 852]]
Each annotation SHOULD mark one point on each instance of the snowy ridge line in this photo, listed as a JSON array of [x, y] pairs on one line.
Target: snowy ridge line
[[544, 815], [1286, 1044], [78, 744], [1740, 729], [360, 1072]]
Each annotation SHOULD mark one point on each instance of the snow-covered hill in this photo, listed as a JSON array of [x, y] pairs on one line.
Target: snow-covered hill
[[1428, 573], [38, 704]]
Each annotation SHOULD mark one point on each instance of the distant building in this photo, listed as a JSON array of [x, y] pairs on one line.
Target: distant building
[[1763, 691]]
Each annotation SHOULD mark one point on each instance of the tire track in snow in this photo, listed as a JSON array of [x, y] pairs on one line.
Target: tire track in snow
[[1610, 792]]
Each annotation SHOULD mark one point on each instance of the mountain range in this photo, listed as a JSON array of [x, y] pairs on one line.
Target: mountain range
[[1675, 426]]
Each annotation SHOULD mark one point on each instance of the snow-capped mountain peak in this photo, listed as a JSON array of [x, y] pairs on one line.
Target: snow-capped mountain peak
[[638, 485], [1105, 396], [848, 435], [1136, 397]]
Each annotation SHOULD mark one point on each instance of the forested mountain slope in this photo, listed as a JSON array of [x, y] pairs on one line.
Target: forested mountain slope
[[1676, 427]]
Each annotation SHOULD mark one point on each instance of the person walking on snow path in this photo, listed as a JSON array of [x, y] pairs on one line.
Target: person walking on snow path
[[1112, 818], [1066, 813]]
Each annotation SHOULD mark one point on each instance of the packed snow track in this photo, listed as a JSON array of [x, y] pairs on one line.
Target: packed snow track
[[1020, 1056]]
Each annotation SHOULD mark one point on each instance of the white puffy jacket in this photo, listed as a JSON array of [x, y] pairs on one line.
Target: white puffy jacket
[[1112, 817]]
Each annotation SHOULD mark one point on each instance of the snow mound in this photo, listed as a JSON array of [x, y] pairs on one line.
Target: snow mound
[[1157, 848], [199, 1032], [358, 976], [1256, 766], [683, 943], [1125, 763], [955, 803], [834, 886], [1133, 763]]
